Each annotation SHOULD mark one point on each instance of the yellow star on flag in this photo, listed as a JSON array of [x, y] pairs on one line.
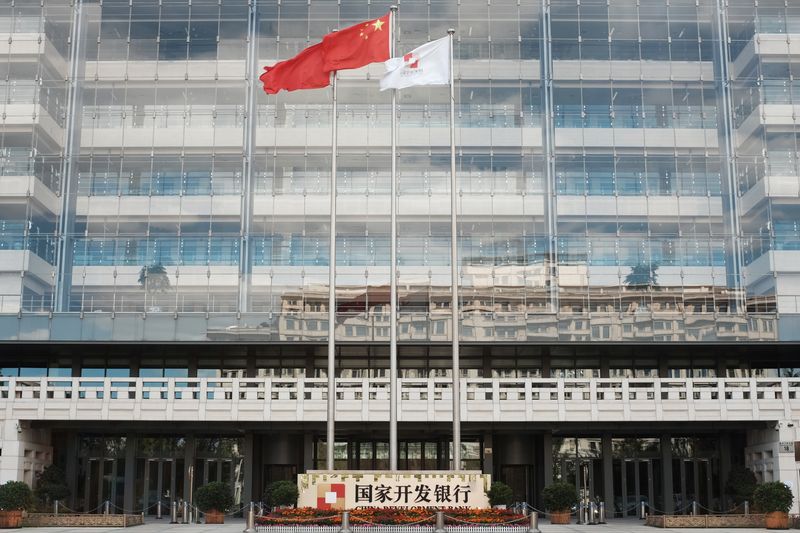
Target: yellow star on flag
[[378, 24]]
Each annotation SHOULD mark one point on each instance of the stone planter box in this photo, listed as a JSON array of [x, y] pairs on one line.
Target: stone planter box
[[390, 529], [721, 521], [81, 520]]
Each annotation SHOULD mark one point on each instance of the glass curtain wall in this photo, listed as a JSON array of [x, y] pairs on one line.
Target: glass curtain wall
[[594, 155], [764, 93], [33, 97]]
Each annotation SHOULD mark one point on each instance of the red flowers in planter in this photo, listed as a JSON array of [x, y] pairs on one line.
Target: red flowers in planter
[[368, 516]]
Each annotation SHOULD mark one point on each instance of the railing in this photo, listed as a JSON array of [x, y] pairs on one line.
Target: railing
[[360, 250], [28, 92], [308, 115], [498, 399], [20, 162], [421, 116], [634, 116], [160, 183]]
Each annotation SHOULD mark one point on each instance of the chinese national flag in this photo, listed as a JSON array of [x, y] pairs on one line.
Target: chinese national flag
[[303, 71], [359, 45]]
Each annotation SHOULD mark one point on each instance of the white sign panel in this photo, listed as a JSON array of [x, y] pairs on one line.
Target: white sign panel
[[343, 490]]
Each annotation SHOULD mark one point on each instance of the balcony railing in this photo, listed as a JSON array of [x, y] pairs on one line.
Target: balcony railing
[[422, 400], [634, 116]]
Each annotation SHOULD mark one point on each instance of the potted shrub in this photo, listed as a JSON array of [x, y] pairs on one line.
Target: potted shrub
[[500, 495], [774, 499], [559, 499], [15, 497], [214, 499], [740, 485], [281, 494]]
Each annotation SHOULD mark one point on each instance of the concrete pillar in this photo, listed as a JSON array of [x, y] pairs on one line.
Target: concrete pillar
[[724, 468], [488, 455], [280, 448], [547, 458], [546, 362], [514, 449], [666, 472], [26, 451], [308, 452], [256, 467], [71, 470], [547, 467], [129, 496], [608, 471], [249, 467], [663, 369], [604, 368], [487, 362]]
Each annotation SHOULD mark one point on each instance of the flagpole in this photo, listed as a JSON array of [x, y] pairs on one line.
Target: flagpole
[[394, 393], [454, 270], [332, 286]]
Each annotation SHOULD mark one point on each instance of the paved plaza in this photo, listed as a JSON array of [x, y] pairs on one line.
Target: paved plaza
[[237, 526]]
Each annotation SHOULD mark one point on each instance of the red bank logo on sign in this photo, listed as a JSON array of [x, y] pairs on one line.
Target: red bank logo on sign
[[330, 496]]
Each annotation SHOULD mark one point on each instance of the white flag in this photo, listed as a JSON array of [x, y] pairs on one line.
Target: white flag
[[427, 65]]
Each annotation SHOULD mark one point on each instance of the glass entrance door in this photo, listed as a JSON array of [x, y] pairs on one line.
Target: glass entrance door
[[636, 486], [102, 480], [582, 472], [163, 479], [694, 482]]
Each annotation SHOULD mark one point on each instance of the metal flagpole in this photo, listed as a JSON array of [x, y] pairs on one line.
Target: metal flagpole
[[454, 270], [332, 287], [393, 383]]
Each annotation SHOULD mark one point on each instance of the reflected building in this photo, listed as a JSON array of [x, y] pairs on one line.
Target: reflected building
[[628, 231]]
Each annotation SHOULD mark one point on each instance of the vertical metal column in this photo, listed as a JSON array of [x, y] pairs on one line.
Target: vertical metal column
[[332, 286], [548, 136], [71, 149], [454, 268], [248, 155], [394, 393], [734, 260]]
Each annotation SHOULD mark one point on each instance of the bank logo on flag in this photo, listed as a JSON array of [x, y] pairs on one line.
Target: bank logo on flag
[[411, 61], [427, 65], [330, 496]]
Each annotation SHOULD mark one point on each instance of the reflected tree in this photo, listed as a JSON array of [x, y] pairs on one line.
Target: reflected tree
[[642, 275], [154, 279]]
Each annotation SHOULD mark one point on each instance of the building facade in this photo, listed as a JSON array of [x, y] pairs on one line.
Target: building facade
[[629, 226]]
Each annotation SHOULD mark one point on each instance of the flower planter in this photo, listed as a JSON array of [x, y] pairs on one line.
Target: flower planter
[[215, 517], [393, 516], [560, 517], [10, 519], [777, 520]]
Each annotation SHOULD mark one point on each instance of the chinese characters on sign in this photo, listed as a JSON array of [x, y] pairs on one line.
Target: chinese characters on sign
[[407, 494], [347, 490]]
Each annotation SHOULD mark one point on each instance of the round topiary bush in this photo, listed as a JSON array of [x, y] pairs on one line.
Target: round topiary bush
[[774, 496], [560, 497], [500, 494], [16, 496], [216, 496], [281, 493]]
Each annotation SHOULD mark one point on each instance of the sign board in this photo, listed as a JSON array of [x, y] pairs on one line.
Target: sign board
[[341, 490], [786, 447]]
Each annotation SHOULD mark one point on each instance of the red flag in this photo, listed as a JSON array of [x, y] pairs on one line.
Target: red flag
[[303, 71], [359, 45]]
